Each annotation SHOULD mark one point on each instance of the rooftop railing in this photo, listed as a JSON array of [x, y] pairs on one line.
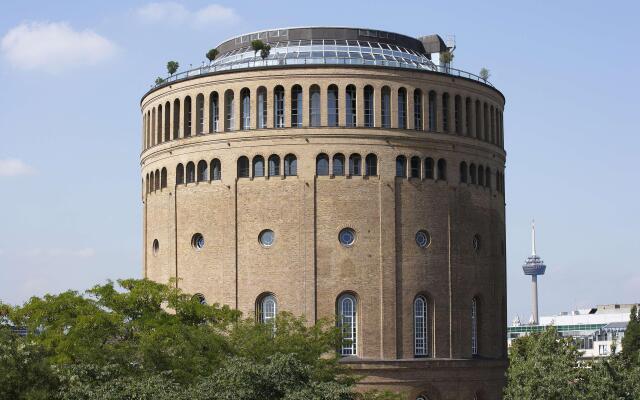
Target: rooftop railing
[[240, 65]]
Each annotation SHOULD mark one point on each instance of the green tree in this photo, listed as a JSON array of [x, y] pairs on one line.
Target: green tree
[[264, 52], [485, 73], [212, 54], [257, 45], [172, 67], [631, 339], [446, 57]]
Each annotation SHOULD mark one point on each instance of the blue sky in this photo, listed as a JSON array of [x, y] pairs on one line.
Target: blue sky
[[72, 74]]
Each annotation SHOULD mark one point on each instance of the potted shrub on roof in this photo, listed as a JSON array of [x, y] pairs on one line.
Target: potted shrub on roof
[[445, 59], [485, 74], [172, 67], [264, 51], [212, 54], [257, 45]]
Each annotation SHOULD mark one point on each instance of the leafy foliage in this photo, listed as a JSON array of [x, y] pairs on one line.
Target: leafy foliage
[[212, 54], [446, 57], [485, 73], [257, 45], [631, 339], [172, 67], [159, 80]]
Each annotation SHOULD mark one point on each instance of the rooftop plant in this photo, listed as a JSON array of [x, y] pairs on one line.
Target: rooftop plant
[[172, 67], [212, 54], [485, 73]]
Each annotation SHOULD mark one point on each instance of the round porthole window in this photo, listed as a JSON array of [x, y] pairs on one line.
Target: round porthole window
[[156, 247], [197, 241], [476, 242], [423, 239], [266, 238], [347, 237]]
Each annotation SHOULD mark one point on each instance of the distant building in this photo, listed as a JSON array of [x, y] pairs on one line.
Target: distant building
[[594, 329]]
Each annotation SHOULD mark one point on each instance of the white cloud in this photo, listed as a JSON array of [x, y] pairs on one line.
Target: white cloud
[[172, 13], [54, 47], [14, 167]]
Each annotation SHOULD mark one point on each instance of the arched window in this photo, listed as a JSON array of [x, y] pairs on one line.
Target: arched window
[[492, 124], [480, 175], [163, 178], [278, 107], [176, 119], [371, 165], [157, 186], [445, 112], [245, 108], [152, 180], [262, 107], [417, 109], [442, 169], [473, 174], [214, 112], [332, 105], [347, 322], [368, 107], [322, 164], [338, 164], [478, 120], [179, 174], [314, 105], [463, 172], [191, 172], [203, 174], [229, 112], [457, 113], [474, 326], [258, 166], [290, 165], [402, 108], [243, 167], [487, 177], [274, 165], [467, 115], [153, 126], [267, 309], [401, 166], [487, 135], [167, 121], [200, 114], [355, 165], [159, 123], [296, 106], [350, 104], [420, 327], [415, 167], [147, 184], [432, 110], [385, 107], [428, 168], [187, 117], [216, 170]]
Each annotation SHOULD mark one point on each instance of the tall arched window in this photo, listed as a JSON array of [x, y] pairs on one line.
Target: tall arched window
[[385, 107], [203, 174], [191, 172], [159, 123], [428, 168], [350, 106], [492, 124], [157, 187], [314, 105], [463, 172], [258, 166], [229, 111], [153, 126], [347, 322], [473, 174], [163, 178], [432, 110], [417, 109], [480, 175], [152, 181], [332, 105], [401, 166], [420, 327], [402, 108], [322, 164], [243, 167], [487, 135], [187, 117], [179, 174], [245, 108], [487, 177], [445, 112], [167, 121], [498, 188], [274, 165], [296, 106], [200, 114], [214, 112], [267, 309], [371, 165], [147, 184], [478, 120], [355, 165], [457, 113], [216, 170], [474, 326], [262, 107], [415, 167], [278, 107], [467, 116], [368, 107], [176, 119], [442, 169], [338, 164], [290, 165]]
